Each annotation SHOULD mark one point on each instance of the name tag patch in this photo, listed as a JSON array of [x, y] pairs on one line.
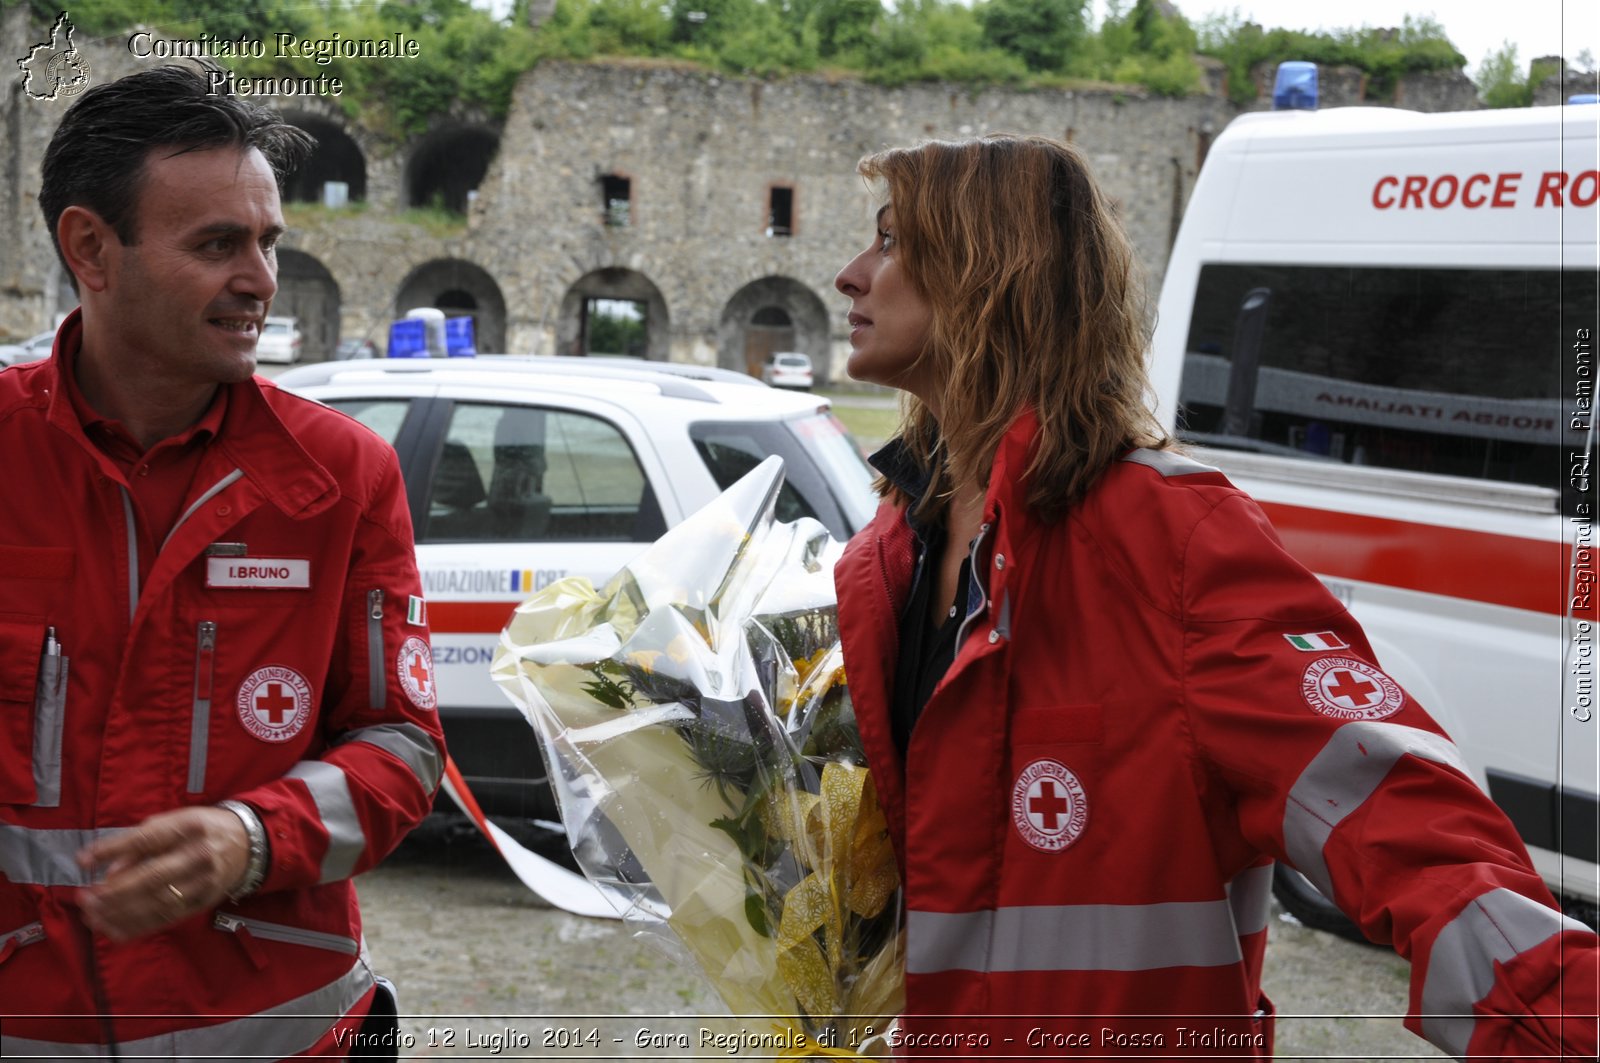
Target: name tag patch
[[267, 573]]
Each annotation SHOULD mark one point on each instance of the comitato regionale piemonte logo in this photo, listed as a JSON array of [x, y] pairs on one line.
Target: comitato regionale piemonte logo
[[55, 69]]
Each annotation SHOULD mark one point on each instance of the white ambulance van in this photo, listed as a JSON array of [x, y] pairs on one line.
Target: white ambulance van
[[1382, 325]]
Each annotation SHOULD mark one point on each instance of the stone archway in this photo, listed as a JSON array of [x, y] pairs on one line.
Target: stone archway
[[460, 289], [337, 157], [631, 305], [447, 166], [769, 315], [308, 292]]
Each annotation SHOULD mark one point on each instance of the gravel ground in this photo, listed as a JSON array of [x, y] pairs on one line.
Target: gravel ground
[[487, 970]]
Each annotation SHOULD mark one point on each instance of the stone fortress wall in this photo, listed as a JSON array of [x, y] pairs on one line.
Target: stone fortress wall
[[650, 183]]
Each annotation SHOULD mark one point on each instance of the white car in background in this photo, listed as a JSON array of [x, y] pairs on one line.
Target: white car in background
[[280, 341], [32, 349], [789, 369], [522, 471]]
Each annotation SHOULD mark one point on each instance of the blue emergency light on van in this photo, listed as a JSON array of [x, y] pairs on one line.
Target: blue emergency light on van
[[1583, 97], [1296, 87], [408, 338], [458, 338]]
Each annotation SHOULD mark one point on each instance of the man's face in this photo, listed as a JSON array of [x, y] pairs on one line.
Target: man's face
[[189, 295]]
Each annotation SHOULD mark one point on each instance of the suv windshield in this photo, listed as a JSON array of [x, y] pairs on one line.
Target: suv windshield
[[808, 445]]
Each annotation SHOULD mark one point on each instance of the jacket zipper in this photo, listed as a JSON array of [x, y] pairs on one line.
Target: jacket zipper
[[377, 688], [246, 931], [200, 713], [133, 554], [977, 575]]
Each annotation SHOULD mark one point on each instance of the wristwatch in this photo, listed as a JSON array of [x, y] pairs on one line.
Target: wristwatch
[[256, 870]]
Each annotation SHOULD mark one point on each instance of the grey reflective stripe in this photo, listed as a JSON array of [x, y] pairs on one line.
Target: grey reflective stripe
[[1250, 899], [408, 742], [1342, 775], [200, 711], [1493, 928], [49, 716], [1084, 937], [133, 554], [276, 1033], [202, 500], [46, 857], [1168, 462], [330, 791]]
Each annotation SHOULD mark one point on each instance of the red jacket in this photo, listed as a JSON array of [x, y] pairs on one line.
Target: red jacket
[[1127, 739], [268, 658]]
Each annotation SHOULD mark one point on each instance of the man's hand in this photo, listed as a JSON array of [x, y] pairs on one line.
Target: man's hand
[[168, 868]]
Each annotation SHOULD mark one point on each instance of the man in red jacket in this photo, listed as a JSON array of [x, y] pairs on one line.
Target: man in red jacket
[[216, 704]]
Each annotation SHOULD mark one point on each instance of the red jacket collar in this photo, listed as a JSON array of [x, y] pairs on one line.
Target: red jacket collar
[[253, 436]]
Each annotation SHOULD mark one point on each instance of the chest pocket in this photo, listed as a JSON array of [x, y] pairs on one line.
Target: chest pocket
[[33, 678], [1055, 762]]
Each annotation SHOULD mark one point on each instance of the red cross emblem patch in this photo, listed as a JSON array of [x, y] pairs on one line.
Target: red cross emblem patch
[[1348, 689], [274, 703], [415, 665], [1048, 806]]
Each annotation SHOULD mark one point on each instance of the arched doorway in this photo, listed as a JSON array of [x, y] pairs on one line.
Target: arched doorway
[[447, 166], [770, 315], [614, 311], [308, 292], [336, 157]]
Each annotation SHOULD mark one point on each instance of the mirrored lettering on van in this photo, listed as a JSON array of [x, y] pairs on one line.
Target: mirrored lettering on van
[[1459, 372]]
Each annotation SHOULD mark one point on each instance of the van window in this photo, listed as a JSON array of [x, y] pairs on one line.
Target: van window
[[1460, 372], [515, 473]]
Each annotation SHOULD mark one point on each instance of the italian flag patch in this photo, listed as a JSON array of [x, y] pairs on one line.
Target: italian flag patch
[[417, 612], [1317, 642]]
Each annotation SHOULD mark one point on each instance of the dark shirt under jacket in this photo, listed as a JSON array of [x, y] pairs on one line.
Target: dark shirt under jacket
[[927, 647]]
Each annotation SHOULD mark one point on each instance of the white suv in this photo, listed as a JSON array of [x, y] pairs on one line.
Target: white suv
[[521, 471]]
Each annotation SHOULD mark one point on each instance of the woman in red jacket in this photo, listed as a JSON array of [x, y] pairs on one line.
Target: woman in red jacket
[[1067, 647]]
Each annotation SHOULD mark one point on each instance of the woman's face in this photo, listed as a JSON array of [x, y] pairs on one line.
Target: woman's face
[[889, 322]]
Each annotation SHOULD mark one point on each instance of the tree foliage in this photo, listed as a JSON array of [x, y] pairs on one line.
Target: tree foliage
[[1504, 82], [1042, 33], [1384, 54], [468, 57]]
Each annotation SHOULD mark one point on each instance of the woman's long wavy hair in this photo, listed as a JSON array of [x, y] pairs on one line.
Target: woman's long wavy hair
[[1036, 304]]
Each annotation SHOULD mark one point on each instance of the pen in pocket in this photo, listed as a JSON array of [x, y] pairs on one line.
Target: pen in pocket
[[50, 712]]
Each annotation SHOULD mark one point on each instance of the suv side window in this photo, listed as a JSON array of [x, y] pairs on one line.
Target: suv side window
[[515, 473], [730, 449], [383, 416]]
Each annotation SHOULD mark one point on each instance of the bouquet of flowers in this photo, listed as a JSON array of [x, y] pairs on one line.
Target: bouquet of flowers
[[698, 731]]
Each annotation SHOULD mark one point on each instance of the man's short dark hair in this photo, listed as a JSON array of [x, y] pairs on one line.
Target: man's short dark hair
[[96, 158]]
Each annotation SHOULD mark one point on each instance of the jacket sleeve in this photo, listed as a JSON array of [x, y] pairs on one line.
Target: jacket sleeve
[[340, 814], [1332, 767]]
